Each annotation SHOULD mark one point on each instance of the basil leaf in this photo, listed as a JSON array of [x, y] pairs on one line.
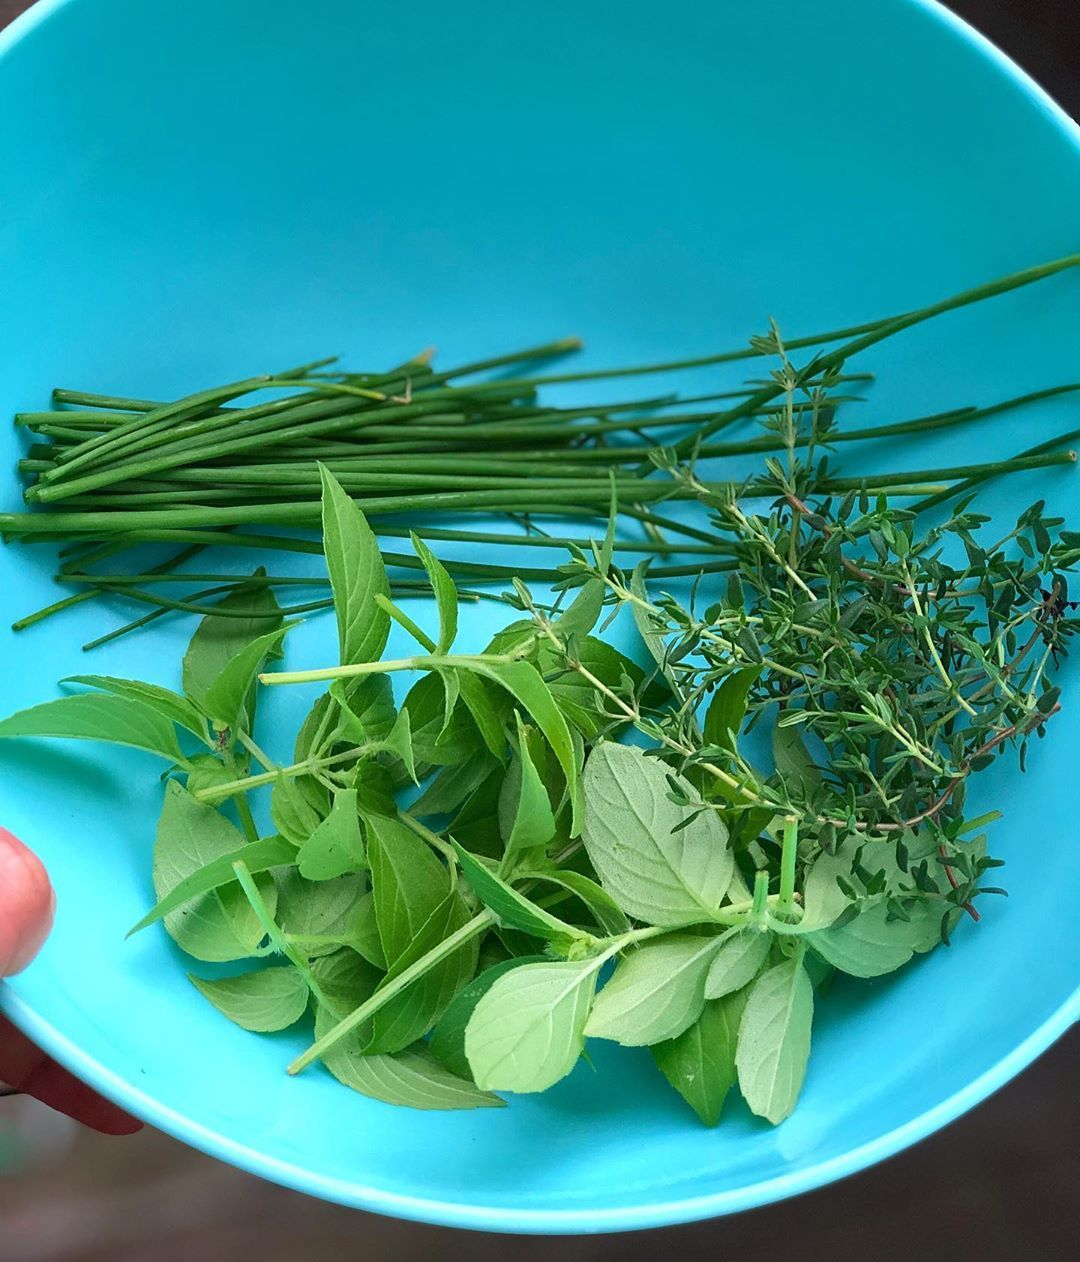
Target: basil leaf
[[447, 1042], [335, 847], [225, 699], [737, 962], [374, 789], [575, 622], [366, 709], [357, 575], [605, 910], [528, 1031], [869, 945], [291, 810], [412, 1012], [96, 716], [484, 711], [793, 762], [774, 1040], [268, 999], [655, 873], [413, 1078], [476, 825], [356, 930], [446, 598], [219, 925], [652, 639], [526, 686], [823, 899], [205, 771], [346, 979], [435, 742], [700, 1063], [257, 856], [170, 705], [655, 993], [453, 785], [525, 815], [399, 742], [218, 639], [727, 710], [578, 698], [316, 721], [317, 908], [512, 908], [407, 883]]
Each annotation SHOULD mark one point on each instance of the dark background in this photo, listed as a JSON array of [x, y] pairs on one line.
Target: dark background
[[999, 1185]]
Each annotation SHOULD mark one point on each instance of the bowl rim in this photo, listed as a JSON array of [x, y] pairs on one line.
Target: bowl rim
[[496, 1218]]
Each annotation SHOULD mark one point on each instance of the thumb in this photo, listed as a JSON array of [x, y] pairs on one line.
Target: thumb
[[27, 904]]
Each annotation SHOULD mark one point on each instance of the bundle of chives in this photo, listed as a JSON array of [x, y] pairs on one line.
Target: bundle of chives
[[114, 472]]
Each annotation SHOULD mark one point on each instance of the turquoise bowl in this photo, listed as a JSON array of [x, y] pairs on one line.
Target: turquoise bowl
[[195, 192]]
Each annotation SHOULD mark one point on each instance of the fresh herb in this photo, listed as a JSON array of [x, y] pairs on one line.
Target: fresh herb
[[549, 884]]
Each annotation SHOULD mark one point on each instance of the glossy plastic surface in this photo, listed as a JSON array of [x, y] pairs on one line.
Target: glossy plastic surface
[[194, 192]]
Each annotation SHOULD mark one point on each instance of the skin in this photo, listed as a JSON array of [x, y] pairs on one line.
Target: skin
[[27, 906]]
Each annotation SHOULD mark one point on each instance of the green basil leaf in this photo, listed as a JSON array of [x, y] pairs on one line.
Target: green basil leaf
[[218, 639], [374, 787], [793, 762], [575, 622], [512, 908], [578, 698], [727, 710], [357, 575], [606, 911], [346, 980], [97, 716], [316, 721], [737, 962], [219, 925], [485, 713], [656, 991], [358, 931], [366, 710], [268, 999], [412, 1012], [413, 1078], [525, 684], [476, 825], [257, 856], [453, 785], [434, 741], [408, 883], [525, 814], [447, 1042], [317, 908], [205, 771], [446, 598], [823, 899], [774, 1040], [656, 872], [335, 847], [292, 811], [870, 945], [225, 699], [399, 742], [528, 1031], [170, 705], [700, 1063]]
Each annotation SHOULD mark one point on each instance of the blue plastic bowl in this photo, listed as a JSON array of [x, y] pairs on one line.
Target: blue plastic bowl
[[195, 192]]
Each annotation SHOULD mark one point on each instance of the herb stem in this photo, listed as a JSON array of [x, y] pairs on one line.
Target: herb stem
[[277, 938], [393, 986]]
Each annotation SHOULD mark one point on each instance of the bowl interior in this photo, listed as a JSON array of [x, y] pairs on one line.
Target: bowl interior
[[198, 192]]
